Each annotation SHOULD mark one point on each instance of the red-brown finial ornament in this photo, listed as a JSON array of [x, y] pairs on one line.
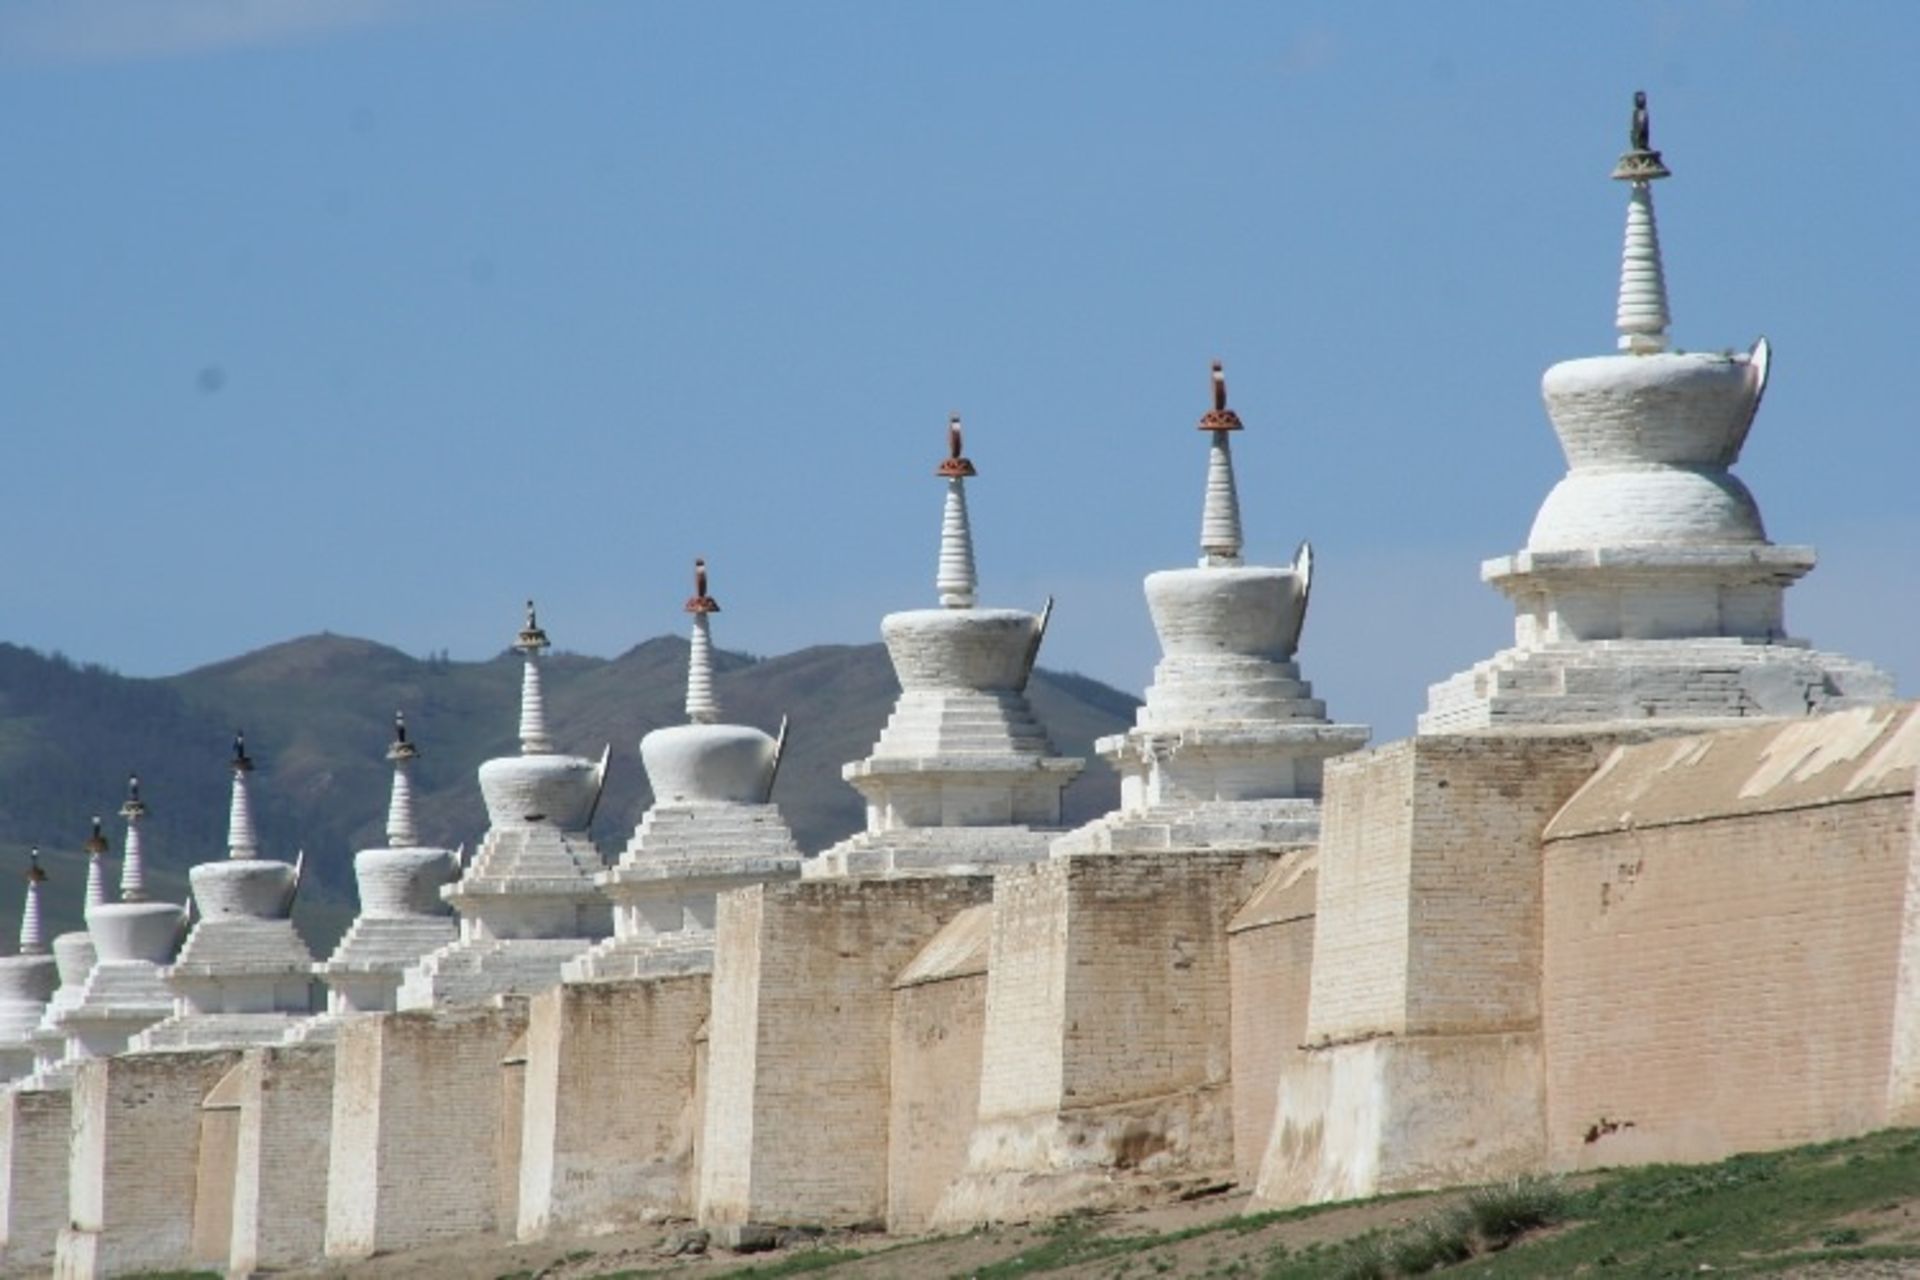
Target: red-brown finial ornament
[[955, 465], [700, 601], [1219, 418]]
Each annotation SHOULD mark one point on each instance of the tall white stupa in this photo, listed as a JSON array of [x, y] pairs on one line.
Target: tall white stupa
[[1227, 749], [1648, 589], [27, 981], [244, 975], [712, 826], [402, 914], [73, 956], [527, 901], [134, 940], [963, 776]]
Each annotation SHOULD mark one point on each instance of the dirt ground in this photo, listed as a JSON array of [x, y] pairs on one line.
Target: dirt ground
[[645, 1250]]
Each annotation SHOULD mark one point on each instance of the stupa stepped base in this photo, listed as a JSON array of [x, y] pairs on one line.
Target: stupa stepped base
[[375, 945], [1227, 688], [703, 838], [926, 851], [1695, 680], [474, 970], [217, 947], [619, 958], [1214, 826], [929, 722], [213, 1031], [535, 852]]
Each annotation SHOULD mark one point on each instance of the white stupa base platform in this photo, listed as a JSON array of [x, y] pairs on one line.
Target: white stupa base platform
[[474, 970], [364, 971], [931, 851], [619, 958], [214, 1031], [1601, 681], [121, 998], [1212, 826]]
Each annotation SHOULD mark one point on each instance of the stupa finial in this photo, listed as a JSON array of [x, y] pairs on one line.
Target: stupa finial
[[133, 879], [956, 580], [1220, 540], [533, 705], [1641, 316], [400, 829], [702, 706], [96, 847], [33, 938], [241, 841]]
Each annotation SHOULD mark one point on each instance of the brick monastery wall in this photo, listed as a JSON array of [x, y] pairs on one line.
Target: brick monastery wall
[[1270, 968], [937, 1029], [1724, 921], [608, 1117], [416, 1120], [800, 1040], [279, 1214], [134, 1161], [35, 1126]]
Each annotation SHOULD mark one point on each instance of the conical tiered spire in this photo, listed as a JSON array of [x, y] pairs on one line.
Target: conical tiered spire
[[96, 848], [33, 938], [1641, 316], [1220, 518], [241, 842], [702, 706], [533, 706], [956, 581], [400, 830], [133, 877]]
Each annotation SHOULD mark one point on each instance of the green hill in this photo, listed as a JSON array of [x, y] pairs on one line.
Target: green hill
[[318, 713]]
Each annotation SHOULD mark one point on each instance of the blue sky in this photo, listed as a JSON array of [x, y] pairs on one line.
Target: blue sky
[[377, 316]]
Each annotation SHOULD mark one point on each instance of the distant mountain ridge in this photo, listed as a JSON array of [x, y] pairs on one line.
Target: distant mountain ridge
[[318, 712]]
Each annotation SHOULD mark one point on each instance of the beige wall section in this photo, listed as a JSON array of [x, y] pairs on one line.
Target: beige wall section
[[1270, 967], [1903, 1083], [609, 1119], [1423, 1030], [213, 1175], [35, 1126], [417, 1106], [1724, 923], [510, 1133], [939, 1009], [797, 1089], [279, 1209], [135, 1155], [1108, 1042]]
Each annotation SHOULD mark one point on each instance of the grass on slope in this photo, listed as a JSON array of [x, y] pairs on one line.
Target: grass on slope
[[1758, 1214]]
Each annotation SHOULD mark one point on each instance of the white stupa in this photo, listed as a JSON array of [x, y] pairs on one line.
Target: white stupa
[[527, 902], [134, 940], [712, 826], [243, 975], [27, 982], [963, 776], [1648, 588], [402, 915], [1227, 750], [75, 956]]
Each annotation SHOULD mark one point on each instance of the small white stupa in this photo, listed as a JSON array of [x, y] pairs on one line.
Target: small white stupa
[[402, 915], [27, 982], [1228, 748], [963, 776], [712, 826], [73, 956], [244, 975], [134, 940], [527, 902], [1648, 588]]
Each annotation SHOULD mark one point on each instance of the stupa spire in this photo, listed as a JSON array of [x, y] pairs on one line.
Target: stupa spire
[[1641, 316], [33, 937], [702, 706], [956, 580], [96, 848], [1220, 540], [133, 878], [241, 841], [533, 704], [400, 830]]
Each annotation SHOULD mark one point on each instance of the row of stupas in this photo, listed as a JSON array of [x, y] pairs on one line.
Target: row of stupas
[[1647, 590]]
